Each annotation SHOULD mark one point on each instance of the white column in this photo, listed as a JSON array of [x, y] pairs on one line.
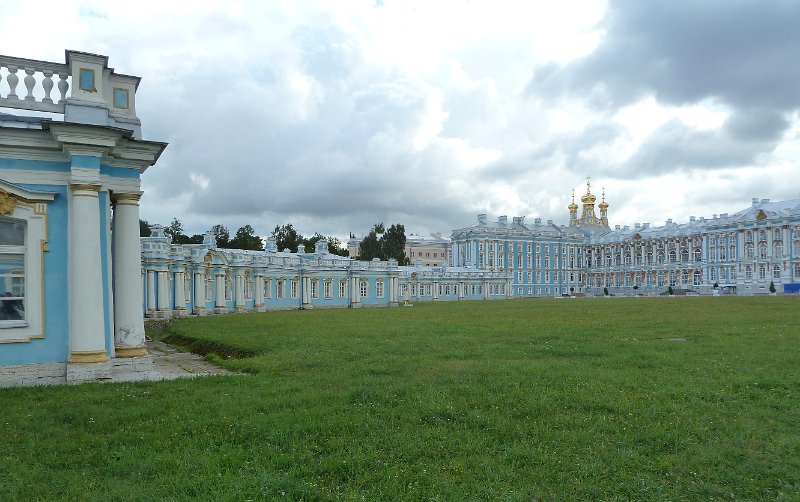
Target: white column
[[86, 327], [220, 301], [128, 321], [199, 291], [436, 291], [163, 291], [259, 292], [151, 291], [180, 292], [239, 293], [355, 296]]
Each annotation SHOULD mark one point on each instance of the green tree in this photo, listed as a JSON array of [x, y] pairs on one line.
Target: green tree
[[336, 247], [246, 238], [370, 246], [144, 229], [772, 287], [286, 237], [221, 235], [393, 244], [174, 229]]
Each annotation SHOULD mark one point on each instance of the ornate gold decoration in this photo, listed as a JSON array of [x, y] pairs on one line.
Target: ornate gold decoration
[[7, 202], [761, 216], [208, 258]]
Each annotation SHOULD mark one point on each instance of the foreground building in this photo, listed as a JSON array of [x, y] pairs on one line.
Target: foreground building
[[70, 294], [740, 253]]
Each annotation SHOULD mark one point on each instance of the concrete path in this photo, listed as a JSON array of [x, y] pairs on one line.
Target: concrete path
[[163, 362]]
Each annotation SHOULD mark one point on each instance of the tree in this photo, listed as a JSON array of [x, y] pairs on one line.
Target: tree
[[174, 229], [772, 287], [144, 229], [221, 235], [670, 291], [370, 246], [286, 237], [605, 291], [336, 247], [246, 239], [393, 244], [185, 239]]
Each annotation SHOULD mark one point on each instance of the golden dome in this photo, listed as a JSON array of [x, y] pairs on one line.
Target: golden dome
[[588, 198], [604, 205], [573, 206]]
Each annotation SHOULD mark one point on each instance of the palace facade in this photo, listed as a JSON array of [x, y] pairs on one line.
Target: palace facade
[[739, 253], [69, 291], [200, 279]]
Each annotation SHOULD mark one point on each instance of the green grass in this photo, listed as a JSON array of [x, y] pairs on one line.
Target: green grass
[[568, 399]]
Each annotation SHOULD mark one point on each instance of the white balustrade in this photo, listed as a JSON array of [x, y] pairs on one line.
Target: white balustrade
[[38, 82]]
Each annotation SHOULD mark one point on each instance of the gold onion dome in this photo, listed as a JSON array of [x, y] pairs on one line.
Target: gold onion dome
[[588, 198], [604, 205], [573, 206]]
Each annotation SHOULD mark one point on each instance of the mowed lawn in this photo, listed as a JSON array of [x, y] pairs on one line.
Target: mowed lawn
[[556, 399]]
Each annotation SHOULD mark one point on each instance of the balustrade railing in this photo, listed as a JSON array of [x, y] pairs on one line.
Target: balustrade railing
[[38, 84]]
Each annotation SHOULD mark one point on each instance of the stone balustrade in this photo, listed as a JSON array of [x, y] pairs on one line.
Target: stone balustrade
[[38, 78]]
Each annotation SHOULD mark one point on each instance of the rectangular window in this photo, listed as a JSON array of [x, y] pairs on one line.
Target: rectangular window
[[294, 289], [87, 80], [281, 289], [209, 287], [314, 289], [120, 98], [12, 273], [379, 289], [267, 288], [328, 289], [343, 288], [364, 286]]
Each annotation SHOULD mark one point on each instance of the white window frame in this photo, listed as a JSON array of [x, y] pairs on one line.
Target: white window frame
[[29, 207]]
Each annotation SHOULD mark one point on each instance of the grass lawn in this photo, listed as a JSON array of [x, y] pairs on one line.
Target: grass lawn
[[560, 399]]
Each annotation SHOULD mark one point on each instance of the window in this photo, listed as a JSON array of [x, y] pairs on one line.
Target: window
[[314, 288], [696, 278], [748, 273], [228, 287], [328, 289], [280, 292], [713, 274], [364, 286], [776, 272], [294, 285], [267, 288], [87, 80], [120, 98], [248, 287], [379, 288], [209, 286], [12, 273], [343, 288], [23, 240], [762, 251]]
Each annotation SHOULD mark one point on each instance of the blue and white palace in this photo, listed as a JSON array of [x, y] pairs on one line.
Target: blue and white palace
[[71, 297], [740, 253]]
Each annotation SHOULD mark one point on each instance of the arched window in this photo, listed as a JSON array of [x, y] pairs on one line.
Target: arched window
[[777, 249], [698, 254], [713, 274], [748, 251], [697, 278], [672, 256], [776, 272]]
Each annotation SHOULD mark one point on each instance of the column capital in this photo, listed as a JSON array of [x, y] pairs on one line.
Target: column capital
[[126, 198], [84, 187]]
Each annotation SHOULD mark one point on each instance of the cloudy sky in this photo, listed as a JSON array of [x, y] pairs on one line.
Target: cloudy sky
[[337, 115]]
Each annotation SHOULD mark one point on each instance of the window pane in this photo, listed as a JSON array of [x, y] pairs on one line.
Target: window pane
[[12, 234], [12, 310]]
